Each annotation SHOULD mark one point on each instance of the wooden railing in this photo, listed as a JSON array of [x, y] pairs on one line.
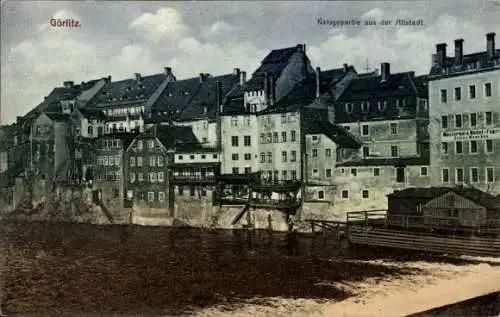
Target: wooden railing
[[367, 217], [444, 223]]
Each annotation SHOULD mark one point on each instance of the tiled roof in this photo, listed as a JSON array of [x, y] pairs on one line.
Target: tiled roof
[[189, 98], [482, 198], [329, 78], [336, 133], [170, 136], [127, 90], [92, 113], [273, 64], [55, 116], [52, 101]]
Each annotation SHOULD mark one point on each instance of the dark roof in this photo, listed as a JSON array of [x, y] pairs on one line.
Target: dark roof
[[92, 113], [336, 133], [330, 77], [173, 136], [127, 90], [189, 98], [482, 198], [55, 116], [273, 64], [52, 102], [480, 57]]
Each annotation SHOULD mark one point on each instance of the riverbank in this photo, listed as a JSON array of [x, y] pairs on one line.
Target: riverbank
[[117, 270]]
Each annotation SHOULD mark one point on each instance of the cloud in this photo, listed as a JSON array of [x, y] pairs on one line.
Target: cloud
[[165, 23], [216, 29]]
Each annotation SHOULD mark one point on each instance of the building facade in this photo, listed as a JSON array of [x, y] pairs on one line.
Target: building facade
[[464, 93]]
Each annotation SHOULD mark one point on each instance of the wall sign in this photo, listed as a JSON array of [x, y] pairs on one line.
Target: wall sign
[[466, 135]]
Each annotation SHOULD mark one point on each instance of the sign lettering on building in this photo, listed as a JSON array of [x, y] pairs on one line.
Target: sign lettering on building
[[466, 135]]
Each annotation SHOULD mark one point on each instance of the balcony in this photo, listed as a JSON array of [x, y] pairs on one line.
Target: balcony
[[193, 179]]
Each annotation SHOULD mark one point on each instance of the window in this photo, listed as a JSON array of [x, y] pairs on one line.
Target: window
[[445, 175], [444, 147], [248, 156], [365, 106], [328, 172], [139, 144], [292, 136], [489, 118], [490, 177], [235, 157], [376, 171], [262, 157], [473, 146], [191, 157], [328, 152], [474, 175], [293, 156], [314, 152], [354, 172], [269, 157], [345, 194], [394, 128], [459, 175], [214, 156], [394, 150], [365, 130], [400, 174], [161, 196], [366, 151], [90, 130], [151, 196], [269, 138], [458, 147], [283, 156], [487, 90], [315, 172], [132, 177], [321, 194], [246, 140], [234, 141], [458, 121], [140, 177], [473, 119], [151, 144], [365, 194], [132, 161], [180, 191], [234, 121], [263, 138], [236, 170], [472, 92], [160, 161], [139, 161], [283, 118], [203, 192], [284, 175], [444, 122], [423, 171], [283, 136], [400, 103], [180, 157], [488, 146], [347, 128], [160, 177], [204, 140], [348, 107], [315, 138], [275, 137], [294, 175], [152, 161], [458, 93], [248, 170], [152, 177], [444, 96]]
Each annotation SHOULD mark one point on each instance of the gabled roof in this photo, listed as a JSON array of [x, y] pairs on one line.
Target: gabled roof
[[273, 64], [479, 197], [189, 98], [55, 116], [92, 114], [127, 90], [336, 133]]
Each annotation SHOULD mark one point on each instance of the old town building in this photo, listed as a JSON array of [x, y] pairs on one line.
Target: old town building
[[388, 113], [464, 95]]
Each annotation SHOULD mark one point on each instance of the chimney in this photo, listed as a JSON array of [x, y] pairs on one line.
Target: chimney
[[236, 72], [385, 69], [68, 84], [441, 53], [459, 51], [345, 68], [137, 77], [318, 80], [490, 44], [272, 88], [167, 71], [202, 77], [109, 79], [243, 78]]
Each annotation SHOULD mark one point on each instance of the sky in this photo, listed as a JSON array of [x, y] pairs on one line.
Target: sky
[[123, 38]]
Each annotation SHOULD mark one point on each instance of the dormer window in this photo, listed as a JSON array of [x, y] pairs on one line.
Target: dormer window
[[170, 94], [382, 105], [348, 107], [365, 106], [205, 110], [400, 103], [186, 93]]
